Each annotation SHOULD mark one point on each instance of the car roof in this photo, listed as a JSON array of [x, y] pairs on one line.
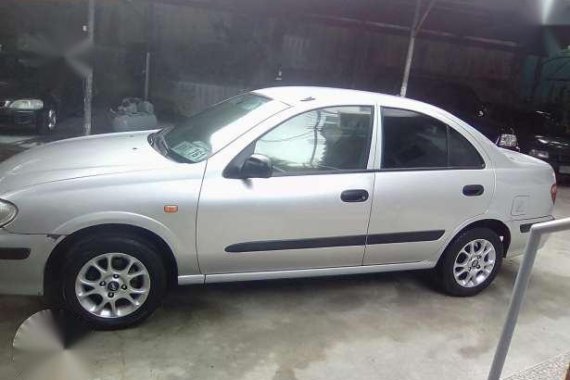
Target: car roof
[[293, 95]]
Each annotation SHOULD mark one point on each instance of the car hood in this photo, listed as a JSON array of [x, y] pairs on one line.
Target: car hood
[[80, 157]]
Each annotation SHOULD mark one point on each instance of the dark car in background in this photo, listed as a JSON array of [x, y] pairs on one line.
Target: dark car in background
[[463, 101], [36, 94], [540, 134]]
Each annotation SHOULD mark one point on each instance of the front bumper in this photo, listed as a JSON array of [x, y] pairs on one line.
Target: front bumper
[[11, 117], [22, 262], [520, 230]]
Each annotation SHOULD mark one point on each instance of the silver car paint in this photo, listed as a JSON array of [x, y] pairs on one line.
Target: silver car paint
[[133, 194], [66, 186], [279, 208], [425, 200]]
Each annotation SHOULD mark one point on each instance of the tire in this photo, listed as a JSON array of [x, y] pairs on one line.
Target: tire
[[117, 297], [460, 272], [47, 120]]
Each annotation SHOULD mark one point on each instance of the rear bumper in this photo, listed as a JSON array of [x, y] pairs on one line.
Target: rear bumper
[[520, 230], [22, 262]]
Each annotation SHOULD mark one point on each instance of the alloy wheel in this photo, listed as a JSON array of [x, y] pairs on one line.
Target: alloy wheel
[[112, 285], [474, 263]]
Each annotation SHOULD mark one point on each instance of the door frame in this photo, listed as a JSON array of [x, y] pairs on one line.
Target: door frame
[[423, 108], [219, 162]]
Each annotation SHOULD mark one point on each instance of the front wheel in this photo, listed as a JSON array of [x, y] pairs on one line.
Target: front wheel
[[470, 263], [112, 281]]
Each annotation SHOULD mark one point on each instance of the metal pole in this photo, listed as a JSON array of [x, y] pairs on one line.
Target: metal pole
[[425, 15], [521, 284], [416, 26], [88, 97], [150, 31], [410, 55], [146, 75]]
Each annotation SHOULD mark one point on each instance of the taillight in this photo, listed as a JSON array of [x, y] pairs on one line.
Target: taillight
[[553, 192]]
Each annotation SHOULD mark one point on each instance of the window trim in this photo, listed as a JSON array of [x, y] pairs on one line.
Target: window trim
[[448, 167], [230, 171]]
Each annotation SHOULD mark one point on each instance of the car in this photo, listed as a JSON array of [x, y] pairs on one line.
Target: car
[[35, 95], [280, 182], [463, 101], [540, 135]]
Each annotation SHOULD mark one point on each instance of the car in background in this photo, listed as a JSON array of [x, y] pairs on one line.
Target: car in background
[[539, 134], [36, 94], [463, 101]]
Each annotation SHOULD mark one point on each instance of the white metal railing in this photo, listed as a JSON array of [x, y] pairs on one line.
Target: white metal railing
[[521, 284]]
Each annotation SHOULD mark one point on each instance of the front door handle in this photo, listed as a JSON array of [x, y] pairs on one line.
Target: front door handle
[[473, 190], [357, 195]]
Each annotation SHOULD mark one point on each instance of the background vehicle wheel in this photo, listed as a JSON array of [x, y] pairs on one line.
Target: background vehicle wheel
[[470, 263], [47, 120], [113, 281]]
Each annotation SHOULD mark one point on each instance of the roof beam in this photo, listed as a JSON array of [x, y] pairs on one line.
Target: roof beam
[[348, 22]]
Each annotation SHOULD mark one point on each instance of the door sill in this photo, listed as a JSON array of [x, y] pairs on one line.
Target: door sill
[[299, 273]]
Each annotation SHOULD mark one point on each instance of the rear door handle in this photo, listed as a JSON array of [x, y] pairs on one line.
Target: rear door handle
[[357, 195], [473, 190]]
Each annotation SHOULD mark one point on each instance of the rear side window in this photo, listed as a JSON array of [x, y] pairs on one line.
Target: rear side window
[[412, 140], [461, 153]]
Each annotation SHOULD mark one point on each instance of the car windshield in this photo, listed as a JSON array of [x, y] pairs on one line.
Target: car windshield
[[200, 136]]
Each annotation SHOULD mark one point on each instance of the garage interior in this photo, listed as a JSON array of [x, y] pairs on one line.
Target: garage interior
[[184, 55]]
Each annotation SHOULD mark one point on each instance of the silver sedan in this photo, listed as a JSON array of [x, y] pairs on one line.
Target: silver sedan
[[277, 183]]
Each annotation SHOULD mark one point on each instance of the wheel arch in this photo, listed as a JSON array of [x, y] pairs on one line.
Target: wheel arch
[[55, 259], [495, 225]]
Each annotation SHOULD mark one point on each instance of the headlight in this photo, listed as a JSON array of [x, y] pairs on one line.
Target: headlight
[[507, 140], [542, 154], [7, 212], [26, 104]]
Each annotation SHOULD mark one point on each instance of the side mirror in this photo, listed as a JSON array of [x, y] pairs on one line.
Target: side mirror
[[256, 166]]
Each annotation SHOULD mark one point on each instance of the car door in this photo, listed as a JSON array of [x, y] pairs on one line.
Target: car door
[[312, 212], [432, 179]]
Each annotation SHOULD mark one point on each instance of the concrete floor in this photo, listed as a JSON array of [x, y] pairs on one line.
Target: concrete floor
[[555, 368], [389, 326]]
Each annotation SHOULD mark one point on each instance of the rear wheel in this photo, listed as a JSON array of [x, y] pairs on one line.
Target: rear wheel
[[112, 281], [471, 262]]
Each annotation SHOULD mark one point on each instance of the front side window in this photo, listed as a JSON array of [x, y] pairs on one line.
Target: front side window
[[323, 140], [412, 140]]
